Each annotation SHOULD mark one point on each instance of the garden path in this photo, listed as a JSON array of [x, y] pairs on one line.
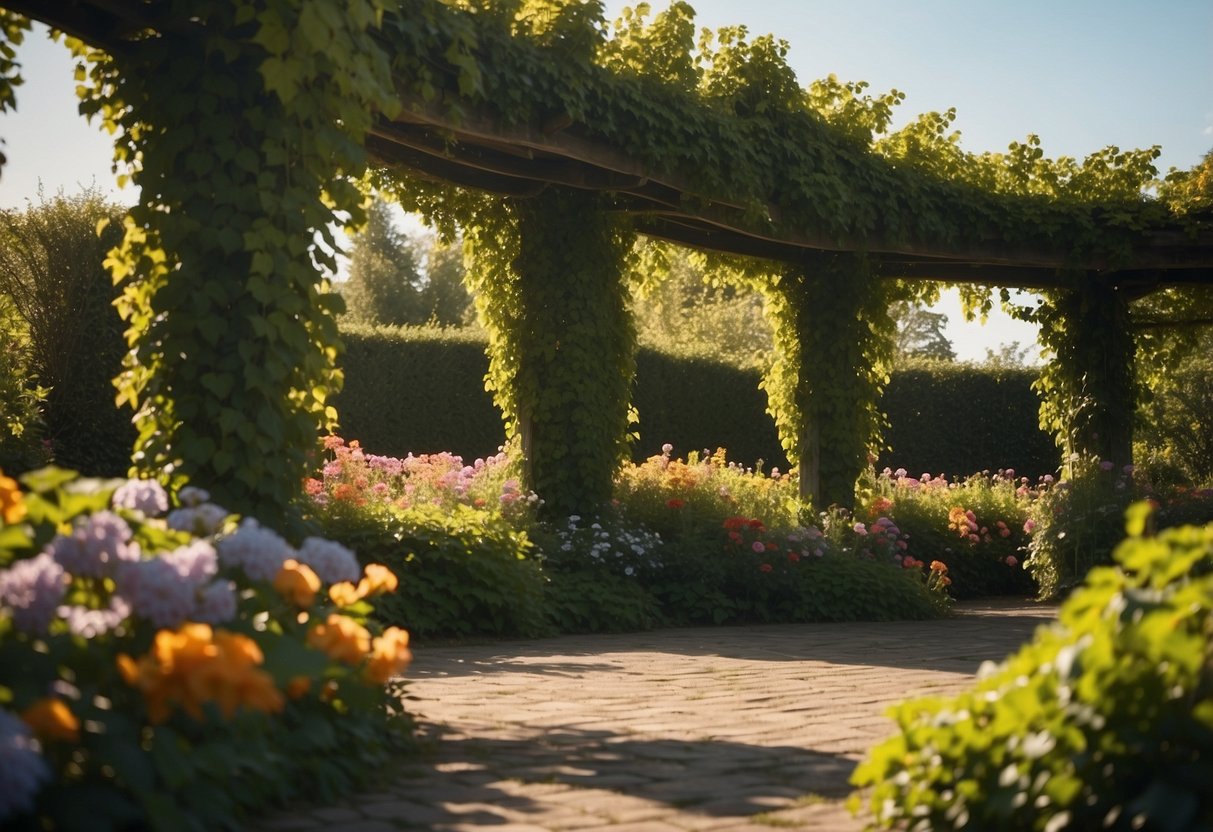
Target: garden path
[[730, 728]]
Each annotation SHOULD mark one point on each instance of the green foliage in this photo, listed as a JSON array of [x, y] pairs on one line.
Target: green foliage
[[547, 279], [1174, 432], [51, 270], [920, 333], [13, 27], [1104, 720], [384, 281], [21, 425], [833, 339], [680, 310], [463, 571], [239, 123], [1087, 385]]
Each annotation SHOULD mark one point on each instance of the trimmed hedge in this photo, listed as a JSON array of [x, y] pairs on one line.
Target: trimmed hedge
[[421, 390]]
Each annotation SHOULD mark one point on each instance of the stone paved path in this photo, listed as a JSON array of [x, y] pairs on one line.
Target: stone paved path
[[734, 728]]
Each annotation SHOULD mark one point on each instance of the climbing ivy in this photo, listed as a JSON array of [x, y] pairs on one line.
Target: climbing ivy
[[547, 277], [239, 123], [12, 32], [833, 353]]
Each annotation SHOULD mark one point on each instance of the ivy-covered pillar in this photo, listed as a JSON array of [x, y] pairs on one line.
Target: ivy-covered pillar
[[833, 340], [562, 343], [240, 122], [1088, 387]]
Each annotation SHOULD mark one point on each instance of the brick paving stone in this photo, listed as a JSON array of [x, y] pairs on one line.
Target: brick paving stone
[[731, 729]]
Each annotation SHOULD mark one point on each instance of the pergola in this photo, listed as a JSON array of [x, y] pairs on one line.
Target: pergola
[[455, 138]]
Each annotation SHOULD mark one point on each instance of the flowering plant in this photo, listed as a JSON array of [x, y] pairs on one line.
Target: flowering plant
[[136, 642]]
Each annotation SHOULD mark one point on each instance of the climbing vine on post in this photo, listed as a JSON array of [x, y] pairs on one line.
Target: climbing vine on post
[[238, 122], [1088, 386], [833, 347], [546, 271]]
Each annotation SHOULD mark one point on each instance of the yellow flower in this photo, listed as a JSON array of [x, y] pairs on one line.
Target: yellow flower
[[390, 655], [51, 719], [193, 666], [297, 583], [340, 638], [12, 504]]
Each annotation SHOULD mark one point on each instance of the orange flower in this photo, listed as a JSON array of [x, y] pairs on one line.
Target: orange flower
[[340, 638], [194, 666], [674, 503], [51, 719], [298, 686], [390, 655], [379, 579], [297, 583], [12, 505], [938, 566]]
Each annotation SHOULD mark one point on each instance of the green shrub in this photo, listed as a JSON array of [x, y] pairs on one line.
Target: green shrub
[[463, 571], [51, 268], [421, 389], [21, 424], [1103, 721]]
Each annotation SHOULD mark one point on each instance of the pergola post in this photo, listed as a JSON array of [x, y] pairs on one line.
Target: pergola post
[[572, 347], [830, 319], [1099, 346]]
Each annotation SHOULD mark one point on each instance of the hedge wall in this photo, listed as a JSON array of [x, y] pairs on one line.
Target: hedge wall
[[422, 390]]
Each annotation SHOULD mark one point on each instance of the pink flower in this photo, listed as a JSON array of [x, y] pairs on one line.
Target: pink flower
[[860, 529], [759, 547], [1029, 525], [1011, 560], [766, 567]]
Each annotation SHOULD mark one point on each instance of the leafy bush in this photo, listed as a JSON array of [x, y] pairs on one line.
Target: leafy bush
[[148, 661], [1103, 721], [51, 257], [21, 424], [464, 571]]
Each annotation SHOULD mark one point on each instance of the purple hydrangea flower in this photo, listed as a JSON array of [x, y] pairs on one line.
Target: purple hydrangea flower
[[258, 551], [147, 496], [97, 544], [32, 590], [196, 562], [203, 519], [191, 496], [331, 561], [157, 592], [88, 623], [216, 603], [22, 769]]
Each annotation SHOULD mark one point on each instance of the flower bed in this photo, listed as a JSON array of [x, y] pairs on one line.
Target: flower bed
[[151, 658]]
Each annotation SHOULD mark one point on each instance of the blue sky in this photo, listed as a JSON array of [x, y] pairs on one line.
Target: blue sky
[[1081, 74]]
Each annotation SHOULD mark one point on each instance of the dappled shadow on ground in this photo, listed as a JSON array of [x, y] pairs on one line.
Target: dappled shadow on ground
[[708, 778], [981, 631]]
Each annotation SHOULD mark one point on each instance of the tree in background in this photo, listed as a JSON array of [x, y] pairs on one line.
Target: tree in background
[[396, 279], [384, 285], [681, 308], [445, 300], [51, 271], [920, 332]]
